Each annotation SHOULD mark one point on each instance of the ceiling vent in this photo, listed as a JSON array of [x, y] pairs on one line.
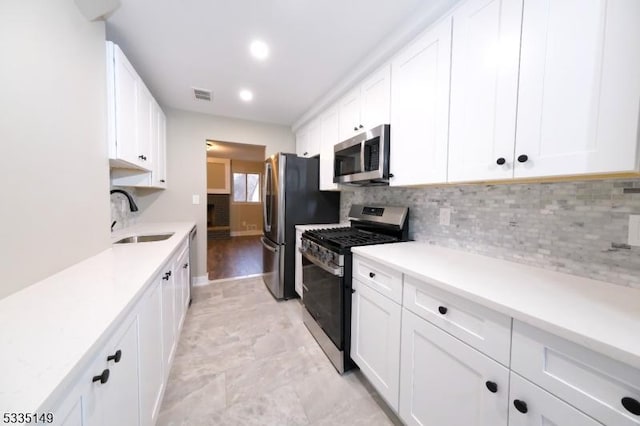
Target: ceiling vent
[[202, 94]]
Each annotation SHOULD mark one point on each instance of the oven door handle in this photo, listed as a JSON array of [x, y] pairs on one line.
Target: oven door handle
[[337, 271]]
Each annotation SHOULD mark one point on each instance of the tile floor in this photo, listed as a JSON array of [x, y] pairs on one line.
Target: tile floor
[[245, 359]]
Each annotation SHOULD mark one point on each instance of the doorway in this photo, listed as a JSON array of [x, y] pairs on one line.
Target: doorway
[[234, 209]]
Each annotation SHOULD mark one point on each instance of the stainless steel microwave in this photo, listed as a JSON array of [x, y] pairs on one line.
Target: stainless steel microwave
[[363, 159]]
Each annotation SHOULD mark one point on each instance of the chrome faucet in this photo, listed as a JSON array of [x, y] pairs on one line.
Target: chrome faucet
[[132, 204]]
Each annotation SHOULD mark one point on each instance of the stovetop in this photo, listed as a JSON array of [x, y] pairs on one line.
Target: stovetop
[[347, 237]]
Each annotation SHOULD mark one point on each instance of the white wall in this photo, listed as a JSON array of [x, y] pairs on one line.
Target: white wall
[[54, 172], [187, 133]]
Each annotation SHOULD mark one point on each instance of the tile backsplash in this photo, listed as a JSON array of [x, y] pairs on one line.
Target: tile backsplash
[[120, 211], [575, 227]]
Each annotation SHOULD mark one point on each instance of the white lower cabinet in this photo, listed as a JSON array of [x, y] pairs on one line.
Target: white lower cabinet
[[168, 319], [107, 393], [151, 365], [533, 406], [443, 381], [120, 398], [375, 340], [125, 379], [298, 275]]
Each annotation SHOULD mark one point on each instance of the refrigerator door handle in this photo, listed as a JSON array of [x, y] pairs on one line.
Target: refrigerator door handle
[[268, 246], [266, 215]]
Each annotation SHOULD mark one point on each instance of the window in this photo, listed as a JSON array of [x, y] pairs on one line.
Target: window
[[246, 187]]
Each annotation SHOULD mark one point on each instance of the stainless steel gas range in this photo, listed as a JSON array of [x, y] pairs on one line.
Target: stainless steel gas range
[[326, 273]]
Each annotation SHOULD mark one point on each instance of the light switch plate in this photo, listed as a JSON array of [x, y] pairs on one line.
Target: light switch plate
[[634, 230], [445, 216], [196, 199]]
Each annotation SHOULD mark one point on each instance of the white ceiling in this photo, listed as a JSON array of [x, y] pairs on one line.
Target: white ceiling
[[177, 45]]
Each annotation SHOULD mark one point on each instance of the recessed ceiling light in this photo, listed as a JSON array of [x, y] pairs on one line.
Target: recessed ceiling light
[[259, 49], [246, 95]]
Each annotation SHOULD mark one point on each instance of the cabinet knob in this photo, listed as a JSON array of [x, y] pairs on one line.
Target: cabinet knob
[[102, 378], [492, 386], [305, 154], [166, 277], [141, 157], [361, 127], [115, 357], [500, 161], [162, 180], [523, 158], [371, 275], [355, 128], [443, 310], [520, 406], [632, 405], [185, 266], [168, 274]]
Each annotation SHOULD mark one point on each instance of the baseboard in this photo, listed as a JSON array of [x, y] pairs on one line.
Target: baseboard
[[246, 233], [200, 280], [223, 280]]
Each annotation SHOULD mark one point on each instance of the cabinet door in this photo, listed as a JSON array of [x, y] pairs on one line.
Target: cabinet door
[[350, 123], [579, 87], [330, 126], [375, 340], [420, 113], [126, 103], [302, 142], [541, 408], [160, 161], [168, 320], [151, 365], [315, 138], [484, 84], [145, 110], [158, 147], [298, 282], [375, 98], [186, 282], [120, 399], [446, 382]]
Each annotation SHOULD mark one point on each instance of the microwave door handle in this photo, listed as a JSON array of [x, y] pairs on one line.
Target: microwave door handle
[[362, 163]]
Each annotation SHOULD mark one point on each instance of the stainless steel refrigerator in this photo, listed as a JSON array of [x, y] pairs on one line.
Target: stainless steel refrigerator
[[290, 197]]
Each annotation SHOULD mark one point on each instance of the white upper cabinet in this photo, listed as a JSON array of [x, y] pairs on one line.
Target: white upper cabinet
[[366, 106], [578, 103], [375, 99], [420, 109], [124, 107], [136, 129], [330, 126], [302, 141], [350, 123], [308, 139], [484, 87], [145, 118]]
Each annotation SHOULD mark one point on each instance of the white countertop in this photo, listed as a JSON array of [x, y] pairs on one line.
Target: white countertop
[[50, 327], [601, 316], [321, 225]]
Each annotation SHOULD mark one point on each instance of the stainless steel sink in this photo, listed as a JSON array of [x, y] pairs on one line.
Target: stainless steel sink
[[143, 238]]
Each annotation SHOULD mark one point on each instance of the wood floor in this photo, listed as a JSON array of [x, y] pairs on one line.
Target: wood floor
[[244, 359], [234, 257]]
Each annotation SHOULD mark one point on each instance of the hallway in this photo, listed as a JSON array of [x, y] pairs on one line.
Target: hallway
[[234, 257]]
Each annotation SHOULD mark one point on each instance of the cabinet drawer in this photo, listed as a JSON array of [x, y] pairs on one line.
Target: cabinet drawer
[[542, 408], [486, 330], [384, 280], [594, 383]]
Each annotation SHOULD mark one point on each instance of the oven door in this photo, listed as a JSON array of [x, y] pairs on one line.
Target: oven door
[[323, 297]]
